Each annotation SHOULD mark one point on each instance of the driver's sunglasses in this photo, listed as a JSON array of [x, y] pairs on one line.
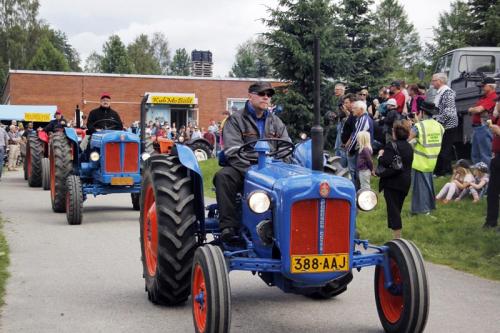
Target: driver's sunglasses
[[264, 93]]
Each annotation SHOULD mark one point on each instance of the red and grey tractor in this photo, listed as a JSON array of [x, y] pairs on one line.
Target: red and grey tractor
[[297, 233]]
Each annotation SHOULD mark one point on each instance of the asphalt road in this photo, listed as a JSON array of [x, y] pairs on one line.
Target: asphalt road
[[88, 278]]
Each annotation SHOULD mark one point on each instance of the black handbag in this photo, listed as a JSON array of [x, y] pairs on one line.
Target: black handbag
[[395, 167]]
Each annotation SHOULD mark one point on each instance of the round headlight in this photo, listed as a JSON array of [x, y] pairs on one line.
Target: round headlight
[[94, 156], [145, 156], [303, 136], [181, 139], [259, 202], [367, 200]]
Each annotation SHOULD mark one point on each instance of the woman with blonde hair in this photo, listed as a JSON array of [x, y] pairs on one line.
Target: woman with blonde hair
[[364, 162]]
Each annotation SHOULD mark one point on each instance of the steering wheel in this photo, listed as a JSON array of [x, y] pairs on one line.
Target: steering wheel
[[116, 124], [284, 148]]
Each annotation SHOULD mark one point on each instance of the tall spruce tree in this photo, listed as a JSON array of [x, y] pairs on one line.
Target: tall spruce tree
[[293, 26], [161, 52], [396, 38], [93, 63], [484, 23], [115, 58], [181, 63], [451, 32], [142, 56], [251, 60], [48, 58]]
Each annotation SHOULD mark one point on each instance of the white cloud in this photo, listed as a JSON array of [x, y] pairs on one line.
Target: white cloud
[[219, 26]]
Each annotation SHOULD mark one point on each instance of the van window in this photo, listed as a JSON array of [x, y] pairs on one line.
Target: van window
[[477, 63], [444, 64]]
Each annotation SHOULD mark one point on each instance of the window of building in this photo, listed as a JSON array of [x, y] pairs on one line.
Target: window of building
[[233, 104], [477, 63]]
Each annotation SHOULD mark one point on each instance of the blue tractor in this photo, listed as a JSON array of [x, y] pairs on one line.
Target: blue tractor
[[298, 226], [111, 164]]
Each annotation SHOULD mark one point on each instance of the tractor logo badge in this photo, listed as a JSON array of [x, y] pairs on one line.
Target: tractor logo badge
[[324, 189]]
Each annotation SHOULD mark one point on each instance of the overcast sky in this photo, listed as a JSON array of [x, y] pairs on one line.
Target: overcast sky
[[219, 26]]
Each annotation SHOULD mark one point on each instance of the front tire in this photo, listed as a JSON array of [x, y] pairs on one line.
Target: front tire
[[74, 200], [211, 292], [168, 230], [46, 174], [60, 169], [404, 308]]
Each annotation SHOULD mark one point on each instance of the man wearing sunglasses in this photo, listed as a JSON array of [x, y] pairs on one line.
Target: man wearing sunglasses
[[252, 123]]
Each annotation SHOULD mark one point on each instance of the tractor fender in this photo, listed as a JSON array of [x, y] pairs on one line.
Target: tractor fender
[[42, 135], [188, 159], [71, 134]]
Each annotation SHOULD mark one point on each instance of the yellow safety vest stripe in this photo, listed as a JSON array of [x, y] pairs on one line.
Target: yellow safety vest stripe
[[430, 135]]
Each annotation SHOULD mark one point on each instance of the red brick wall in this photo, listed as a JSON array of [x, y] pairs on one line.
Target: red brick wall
[[66, 91]]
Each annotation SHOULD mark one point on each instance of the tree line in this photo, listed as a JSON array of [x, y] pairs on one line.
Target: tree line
[[362, 43]]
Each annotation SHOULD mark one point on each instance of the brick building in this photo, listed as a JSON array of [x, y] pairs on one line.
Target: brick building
[[210, 96]]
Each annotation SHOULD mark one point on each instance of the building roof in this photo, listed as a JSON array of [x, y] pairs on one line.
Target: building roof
[[18, 112], [17, 71]]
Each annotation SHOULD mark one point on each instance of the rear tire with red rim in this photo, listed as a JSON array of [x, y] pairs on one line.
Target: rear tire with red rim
[[60, 169], [34, 155], [45, 174], [74, 200], [404, 308], [211, 292], [168, 230]]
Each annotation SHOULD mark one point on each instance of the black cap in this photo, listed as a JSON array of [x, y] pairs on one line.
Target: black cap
[[428, 107], [487, 80], [260, 86], [396, 84]]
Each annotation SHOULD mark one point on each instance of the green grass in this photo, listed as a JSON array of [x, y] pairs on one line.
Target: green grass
[[4, 262], [452, 235], [208, 169]]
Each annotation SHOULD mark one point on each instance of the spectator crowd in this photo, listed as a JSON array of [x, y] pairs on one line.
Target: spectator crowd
[[412, 137]]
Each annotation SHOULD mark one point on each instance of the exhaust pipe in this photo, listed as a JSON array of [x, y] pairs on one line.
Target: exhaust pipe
[[317, 131]]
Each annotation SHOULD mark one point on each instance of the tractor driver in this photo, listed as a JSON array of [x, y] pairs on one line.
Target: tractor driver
[[253, 122], [102, 118]]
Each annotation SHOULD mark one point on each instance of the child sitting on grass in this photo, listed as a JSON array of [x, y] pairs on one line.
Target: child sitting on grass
[[460, 180], [476, 188], [364, 162]]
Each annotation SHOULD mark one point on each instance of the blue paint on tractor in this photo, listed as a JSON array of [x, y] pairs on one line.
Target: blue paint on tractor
[[285, 184]]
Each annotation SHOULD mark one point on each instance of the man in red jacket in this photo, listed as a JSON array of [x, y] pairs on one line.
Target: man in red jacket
[[481, 136], [494, 184], [398, 95]]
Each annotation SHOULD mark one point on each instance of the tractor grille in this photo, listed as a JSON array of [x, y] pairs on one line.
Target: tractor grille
[[320, 227], [114, 161]]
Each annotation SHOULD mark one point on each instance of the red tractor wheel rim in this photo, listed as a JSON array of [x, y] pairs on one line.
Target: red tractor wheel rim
[[392, 305], [52, 175], [150, 232], [199, 295]]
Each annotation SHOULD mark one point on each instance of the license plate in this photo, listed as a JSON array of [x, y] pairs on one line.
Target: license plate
[[320, 263], [122, 181]]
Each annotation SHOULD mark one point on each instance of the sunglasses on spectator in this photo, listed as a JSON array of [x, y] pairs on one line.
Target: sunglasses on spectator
[[264, 93], [362, 94]]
